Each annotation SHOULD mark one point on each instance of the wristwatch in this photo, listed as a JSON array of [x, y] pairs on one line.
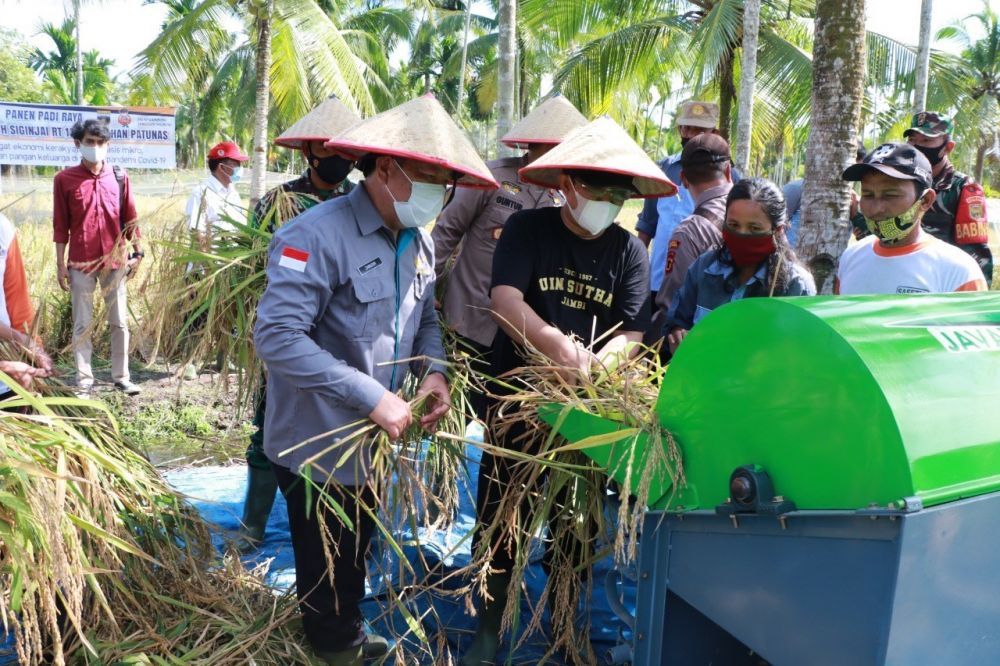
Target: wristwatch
[[137, 255]]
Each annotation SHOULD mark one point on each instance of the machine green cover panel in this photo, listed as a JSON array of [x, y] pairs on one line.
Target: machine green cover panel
[[847, 402]]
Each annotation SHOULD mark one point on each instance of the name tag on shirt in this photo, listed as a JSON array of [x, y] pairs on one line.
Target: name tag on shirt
[[370, 266], [294, 259]]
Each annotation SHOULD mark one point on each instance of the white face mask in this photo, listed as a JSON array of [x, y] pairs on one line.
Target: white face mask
[[424, 205], [594, 216], [94, 154]]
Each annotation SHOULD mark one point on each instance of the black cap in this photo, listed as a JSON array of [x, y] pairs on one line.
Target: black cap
[[706, 148], [896, 160]]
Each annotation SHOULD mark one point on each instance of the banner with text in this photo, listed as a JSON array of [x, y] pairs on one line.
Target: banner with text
[[39, 135]]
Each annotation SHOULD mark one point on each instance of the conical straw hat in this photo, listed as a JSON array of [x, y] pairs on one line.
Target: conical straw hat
[[417, 130], [549, 123], [323, 123], [600, 146]]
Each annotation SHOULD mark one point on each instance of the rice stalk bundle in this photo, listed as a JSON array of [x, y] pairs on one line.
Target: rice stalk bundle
[[212, 289], [416, 494], [102, 562], [556, 489]]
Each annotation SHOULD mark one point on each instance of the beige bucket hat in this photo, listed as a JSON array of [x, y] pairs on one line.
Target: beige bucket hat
[[600, 146], [330, 118], [698, 114], [417, 130], [548, 123]]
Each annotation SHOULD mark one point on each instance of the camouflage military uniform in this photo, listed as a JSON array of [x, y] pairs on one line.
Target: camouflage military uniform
[[949, 221]]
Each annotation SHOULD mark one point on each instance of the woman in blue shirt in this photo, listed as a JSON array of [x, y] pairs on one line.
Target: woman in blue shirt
[[754, 259]]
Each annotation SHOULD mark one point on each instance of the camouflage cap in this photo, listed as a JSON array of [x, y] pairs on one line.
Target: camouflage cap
[[698, 114], [929, 124]]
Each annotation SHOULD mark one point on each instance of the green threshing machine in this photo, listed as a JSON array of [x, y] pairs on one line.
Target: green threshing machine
[[842, 497]]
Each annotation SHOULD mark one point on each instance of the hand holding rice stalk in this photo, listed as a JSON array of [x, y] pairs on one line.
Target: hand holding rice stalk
[[415, 479], [560, 488]]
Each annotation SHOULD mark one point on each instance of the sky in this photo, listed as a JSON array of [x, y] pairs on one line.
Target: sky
[[122, 28]]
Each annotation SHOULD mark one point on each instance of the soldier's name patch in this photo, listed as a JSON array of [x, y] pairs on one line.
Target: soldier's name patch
[[294, 258], [370, 266]]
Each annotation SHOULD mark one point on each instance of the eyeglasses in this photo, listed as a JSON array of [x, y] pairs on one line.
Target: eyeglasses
[[616, 195]]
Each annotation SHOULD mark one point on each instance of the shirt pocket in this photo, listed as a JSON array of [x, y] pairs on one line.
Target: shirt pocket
[[373, 308]]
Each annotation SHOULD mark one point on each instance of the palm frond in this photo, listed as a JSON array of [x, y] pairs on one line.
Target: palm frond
[[189, 45], [590, 76], [715, 37]]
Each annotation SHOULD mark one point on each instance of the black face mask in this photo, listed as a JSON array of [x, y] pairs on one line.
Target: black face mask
[[933, 155], [331, 170]]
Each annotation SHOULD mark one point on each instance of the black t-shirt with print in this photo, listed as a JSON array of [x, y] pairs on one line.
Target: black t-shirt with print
[[569, 281]]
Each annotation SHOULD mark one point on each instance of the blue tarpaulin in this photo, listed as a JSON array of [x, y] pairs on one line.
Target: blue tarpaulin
[[218, 493]]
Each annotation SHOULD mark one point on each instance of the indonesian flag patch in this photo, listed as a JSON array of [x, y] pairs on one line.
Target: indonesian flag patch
[[294, 259]]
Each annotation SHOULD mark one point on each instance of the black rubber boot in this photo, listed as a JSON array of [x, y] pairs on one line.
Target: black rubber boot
[[261, 487], [483, 650]]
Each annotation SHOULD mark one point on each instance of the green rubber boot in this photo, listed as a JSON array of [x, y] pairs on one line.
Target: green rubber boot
[[483, 650], [375, 646], [261, 487], [349, 657]]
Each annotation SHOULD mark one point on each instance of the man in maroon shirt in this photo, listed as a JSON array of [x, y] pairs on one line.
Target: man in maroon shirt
[[87, 216]]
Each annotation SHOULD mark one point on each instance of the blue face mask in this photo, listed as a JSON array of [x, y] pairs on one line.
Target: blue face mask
[[236, 174]]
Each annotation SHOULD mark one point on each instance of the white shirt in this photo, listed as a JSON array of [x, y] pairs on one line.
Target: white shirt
[[210, 202], [927, 266]]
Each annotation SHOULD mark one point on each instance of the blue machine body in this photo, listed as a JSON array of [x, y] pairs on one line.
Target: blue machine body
[[835, 588]]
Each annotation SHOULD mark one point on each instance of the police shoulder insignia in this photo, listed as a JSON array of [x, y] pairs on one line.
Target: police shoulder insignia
[[508, 186]]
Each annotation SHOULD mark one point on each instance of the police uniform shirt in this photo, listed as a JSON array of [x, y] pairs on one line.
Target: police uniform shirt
[[343, 300], [475, 219]]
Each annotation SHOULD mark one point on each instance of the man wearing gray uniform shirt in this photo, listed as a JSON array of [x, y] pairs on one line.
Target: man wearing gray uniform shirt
[[473, 221], [351, 292]]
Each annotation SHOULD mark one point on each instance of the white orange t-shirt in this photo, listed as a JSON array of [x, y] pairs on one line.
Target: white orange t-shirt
[[927, 266]]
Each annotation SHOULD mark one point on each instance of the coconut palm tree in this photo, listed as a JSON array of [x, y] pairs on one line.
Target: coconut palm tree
[[62, 57], [979, 103], [506, 81], [923, 56], [612, 45], [59, 71], [838, 85], [748, 81], [292, 54]]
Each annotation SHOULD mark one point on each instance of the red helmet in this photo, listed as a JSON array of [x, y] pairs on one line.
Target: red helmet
[[226, 150]]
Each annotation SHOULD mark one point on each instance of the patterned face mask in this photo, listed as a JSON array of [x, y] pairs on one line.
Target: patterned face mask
[[892, 229]]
